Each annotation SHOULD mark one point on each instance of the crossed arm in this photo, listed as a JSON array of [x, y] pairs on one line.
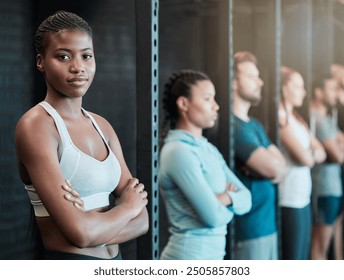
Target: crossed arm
[[135, 227], [334, 148], [40, 167], [301, 155], [268, 162]]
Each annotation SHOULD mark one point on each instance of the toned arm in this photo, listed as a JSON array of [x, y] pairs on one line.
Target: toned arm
[[332, 139], [306, 156], [268, 162], [255, 153], [300, 154], [82, 229], [334, 148], [319, 153], [140, 224]]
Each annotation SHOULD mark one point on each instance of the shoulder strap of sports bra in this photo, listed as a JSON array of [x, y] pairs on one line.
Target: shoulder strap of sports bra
[[95, 124], [60, 125]]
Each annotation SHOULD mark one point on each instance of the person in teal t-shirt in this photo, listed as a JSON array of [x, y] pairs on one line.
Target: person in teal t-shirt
[[200, 192], [259, 165]]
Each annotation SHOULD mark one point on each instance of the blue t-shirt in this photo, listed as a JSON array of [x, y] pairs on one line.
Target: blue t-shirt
[[261, 219]]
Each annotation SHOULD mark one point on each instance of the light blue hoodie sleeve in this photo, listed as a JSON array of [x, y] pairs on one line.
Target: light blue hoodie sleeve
[[242, 199], [184, 168]]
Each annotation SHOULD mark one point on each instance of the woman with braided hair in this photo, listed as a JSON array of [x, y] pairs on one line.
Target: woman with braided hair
[[200, 192], [59, 145]]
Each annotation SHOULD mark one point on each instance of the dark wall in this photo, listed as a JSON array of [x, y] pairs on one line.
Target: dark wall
[[338, 29], [254, 30], [112, 95], [16, 86], [297, 43]]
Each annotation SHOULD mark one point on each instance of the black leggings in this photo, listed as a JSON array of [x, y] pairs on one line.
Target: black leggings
[[296, 233], [56, 255]]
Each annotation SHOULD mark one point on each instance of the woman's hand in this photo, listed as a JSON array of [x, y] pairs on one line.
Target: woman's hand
[[231, 188], [73, 196], [133, 197], [224, 198]]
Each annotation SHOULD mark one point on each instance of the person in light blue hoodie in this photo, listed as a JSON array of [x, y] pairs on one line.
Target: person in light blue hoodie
[[200, 192]]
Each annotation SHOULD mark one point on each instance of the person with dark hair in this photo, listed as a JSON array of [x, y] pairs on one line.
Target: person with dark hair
[[200, 192], [70, 160], [259, 164], [326, 177], [302, 151]]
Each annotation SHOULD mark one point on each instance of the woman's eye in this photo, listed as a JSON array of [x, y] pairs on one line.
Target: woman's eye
[[64, 57], [87, 56]]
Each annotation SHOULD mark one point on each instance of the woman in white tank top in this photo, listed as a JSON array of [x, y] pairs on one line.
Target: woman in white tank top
[[58, 140], [302, 150]]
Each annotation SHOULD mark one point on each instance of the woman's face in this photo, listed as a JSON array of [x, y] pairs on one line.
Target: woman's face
[[202, 108], [294, 90], [68, 63]]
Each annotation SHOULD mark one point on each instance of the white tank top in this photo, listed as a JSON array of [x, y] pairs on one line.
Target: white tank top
[[94, 180], [295, 190]]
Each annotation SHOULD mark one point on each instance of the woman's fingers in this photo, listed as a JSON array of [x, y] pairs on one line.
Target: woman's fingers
[[231, 187], [133, 182], [68, 187], [140, 187], [73, 196], [77, 205]]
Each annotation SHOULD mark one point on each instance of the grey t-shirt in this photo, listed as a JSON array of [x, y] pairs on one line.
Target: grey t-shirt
[[326, 177]]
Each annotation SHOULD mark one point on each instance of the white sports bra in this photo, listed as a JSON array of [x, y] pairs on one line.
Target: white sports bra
[[94, 180]]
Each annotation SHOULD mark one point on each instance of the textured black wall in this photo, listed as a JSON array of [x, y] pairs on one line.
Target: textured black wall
[[16, 83]]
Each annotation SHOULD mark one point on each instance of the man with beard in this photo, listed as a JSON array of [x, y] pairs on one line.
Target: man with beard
[[259, 165], [326, 177]]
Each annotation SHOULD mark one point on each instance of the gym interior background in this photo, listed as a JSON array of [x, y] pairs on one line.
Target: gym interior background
[[138, 44]]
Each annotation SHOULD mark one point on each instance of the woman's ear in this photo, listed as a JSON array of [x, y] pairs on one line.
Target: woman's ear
[[182, 103], [284, 91], [318, 93], [39, 63]]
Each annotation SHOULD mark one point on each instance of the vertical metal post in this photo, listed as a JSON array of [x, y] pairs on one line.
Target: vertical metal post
[[224, 98], [278, 64], [278, 57], [231, 228], [230, 84], [309, 55], [148, 119]]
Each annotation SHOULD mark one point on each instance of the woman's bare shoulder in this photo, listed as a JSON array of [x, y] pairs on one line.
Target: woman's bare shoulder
[[35, 117], [36, 124]]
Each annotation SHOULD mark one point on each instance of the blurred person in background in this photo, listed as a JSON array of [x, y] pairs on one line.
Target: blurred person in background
[[302, 151], [326, 177]]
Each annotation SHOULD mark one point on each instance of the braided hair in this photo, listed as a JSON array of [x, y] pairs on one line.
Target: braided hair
[[179, 84], [60, 21]]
